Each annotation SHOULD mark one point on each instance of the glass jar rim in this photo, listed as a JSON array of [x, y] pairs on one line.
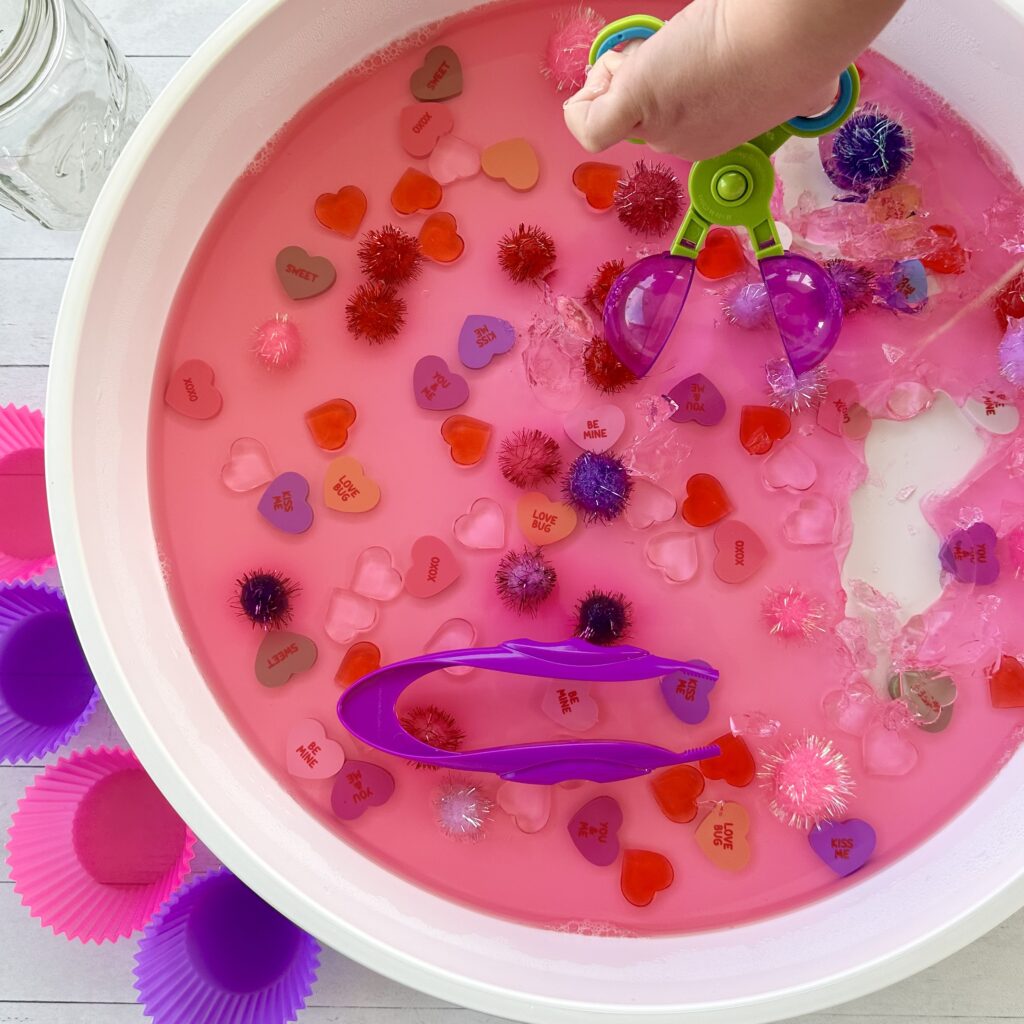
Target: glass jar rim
[[35, 28]]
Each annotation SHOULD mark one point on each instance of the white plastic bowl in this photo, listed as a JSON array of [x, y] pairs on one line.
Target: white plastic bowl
[[247, 80]]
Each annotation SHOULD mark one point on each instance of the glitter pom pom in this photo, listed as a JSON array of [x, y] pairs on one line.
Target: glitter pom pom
[[277, 343], [527, 253], [604, 370], [524, 580], [1015, 551], [870, 152], [435, 727], [598, 486], [856, 284], [265, 598], [529, 457], [1009, 302], [1011, 353], [375, 312], [390, 255], [793, 614], [604, 278], [568, 50], [807, 782], [649, 199], [747, 306], [462, 810], [603, 618], [795, 393]]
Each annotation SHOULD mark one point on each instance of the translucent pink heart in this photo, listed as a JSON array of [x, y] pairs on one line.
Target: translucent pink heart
[[698, 401], [595, 429], [594, 830], [649, 504], [434, 568], [844, 846], [452, 635], [852, 709], [248, 465], [813, 521], [887, 751], [309, 754], [570, 706], [359, 786], [482, 528], [348, 615], [740, 552], [789, 466], [674, 555], [528, 806], [908, 399], [436, 386], [375, 576], [453, 158], [421, 125]]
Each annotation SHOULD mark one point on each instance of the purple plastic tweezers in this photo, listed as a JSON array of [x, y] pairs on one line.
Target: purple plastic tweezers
[[367, 710]]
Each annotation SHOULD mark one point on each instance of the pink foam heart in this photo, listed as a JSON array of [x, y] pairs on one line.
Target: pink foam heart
[[570, 706], [421, 125], [482, 528], [528, 806], [813, 521], [310, 754], [740, 552], [192, 392], [452, 635], [594, 830], [452, 159], [649, 504], [248, 466], [789, 466], [674, 555], [359, 786], [348, 615], [596, 429], [434, 568], [375, 576]]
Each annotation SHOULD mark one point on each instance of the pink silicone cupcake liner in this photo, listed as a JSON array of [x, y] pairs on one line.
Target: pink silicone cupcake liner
[[94, 848], [26, 546], [47, 692], [220, 955]]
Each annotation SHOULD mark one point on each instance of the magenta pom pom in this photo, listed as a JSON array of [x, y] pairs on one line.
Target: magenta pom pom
[[649, 200], [462, 810], [807, 781], [747, 306], [435, 727], [793, 614], [524, 580], [277, 343], [1011, 353], [529, 457], [568, 50], [796, 392]]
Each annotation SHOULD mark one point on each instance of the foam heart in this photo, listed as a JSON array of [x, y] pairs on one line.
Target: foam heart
[[282, 655], [596, 429], [440, 239], [722, 255], [570, 706], [421, 125], [789, 466], [697, 401], [733, 765], [439, 77], [597, 181], [722, 836], [513, 161], [285, 503], [674, 555], [841, 413], [248, 466], [482, 528], [761, 426], [303, 276], [359, 786], [676, 791], [970, 555], [649, 504], [687, 696], [310, 754], [359, 660], [453, 159], [436, 387], [415, 191], [542, 521], [812, 521], [191, 391], [887, 751], [706, 501], [740, 552], [453, 635], [594, 830], [528, 806], [328, 423], [348, 615], [644, 874], [844, 846], [993, 410], [926, 692], [342, 211], [1006, 683], [482, 338], [347, 488], [375, 575], [434, 568], [467, 438]]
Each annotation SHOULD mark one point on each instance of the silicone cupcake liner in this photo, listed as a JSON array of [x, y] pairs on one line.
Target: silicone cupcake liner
[[94, 849], [47, 692], [26, 546], [218, 954]]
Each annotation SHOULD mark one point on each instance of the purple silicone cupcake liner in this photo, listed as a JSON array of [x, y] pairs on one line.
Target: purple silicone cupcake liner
[[47, 692], [217, 953]]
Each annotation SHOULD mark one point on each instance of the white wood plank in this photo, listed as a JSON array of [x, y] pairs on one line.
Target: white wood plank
[[26, 325], [161, 29], [23, 385]]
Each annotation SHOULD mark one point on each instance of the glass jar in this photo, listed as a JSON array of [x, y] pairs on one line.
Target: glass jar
[[68, 102]]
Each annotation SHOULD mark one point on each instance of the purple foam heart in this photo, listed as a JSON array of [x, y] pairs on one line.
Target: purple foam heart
[[285, 503], [359, 785], [844, 846], [594, 828], [482, 338], [436, 386], [687, 696], [970, 555], [698, 401]]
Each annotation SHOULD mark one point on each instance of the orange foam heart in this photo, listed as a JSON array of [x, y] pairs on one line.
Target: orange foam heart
[[644, 874], [329, 423], [415, 191], [542, 521], [347, 488], [341, 211], [722, 836], [761, 426], [734, 765], [513, 161], [706, 501], [676, 790], [467, 437], [360, 660], [1006, 684], [597, 182], [440, 239], [722, 255]]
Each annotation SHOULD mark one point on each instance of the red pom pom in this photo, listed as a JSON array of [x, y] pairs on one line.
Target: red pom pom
[[1009, 303], [597, 290], [529, 457], [391, 255], [526, 253], [649, 199], [604, 369], [376, 312]]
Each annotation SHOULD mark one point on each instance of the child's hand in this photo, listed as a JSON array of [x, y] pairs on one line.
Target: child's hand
[[723, 71]]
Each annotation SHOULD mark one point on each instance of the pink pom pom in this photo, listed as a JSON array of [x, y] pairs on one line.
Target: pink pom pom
[[793, 614], [462, 810], [568, 49], [807, 781], [277, 344]]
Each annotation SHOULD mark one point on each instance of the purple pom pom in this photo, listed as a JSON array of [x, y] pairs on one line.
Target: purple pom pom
[[856, 284], [525, 579], [603, 618], [870, 152], [265, 598], [598, 486], [1011, 352], [748, 307]]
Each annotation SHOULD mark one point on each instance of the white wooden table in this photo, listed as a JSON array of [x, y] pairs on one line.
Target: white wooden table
[[48, 980]]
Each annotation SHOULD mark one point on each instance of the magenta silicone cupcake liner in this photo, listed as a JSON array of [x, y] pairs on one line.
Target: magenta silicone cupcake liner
[[26, 546], [94, 848], [47, 692], [218, 954]]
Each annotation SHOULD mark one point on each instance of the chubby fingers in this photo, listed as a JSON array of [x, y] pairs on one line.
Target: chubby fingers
[[604, 111]]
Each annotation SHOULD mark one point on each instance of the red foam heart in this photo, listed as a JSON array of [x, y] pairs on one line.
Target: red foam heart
[[360, 660], [467, 437], [329, 423], [597, 182], [440, 239], [676, 790], [644, 875], [949, 257], [706, 501], [761, 426], [1006, 684], [734, 765], [415, 191], [341, 211], [722, 255]]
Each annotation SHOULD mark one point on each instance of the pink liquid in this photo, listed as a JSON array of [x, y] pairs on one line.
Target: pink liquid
[[210, 536]]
